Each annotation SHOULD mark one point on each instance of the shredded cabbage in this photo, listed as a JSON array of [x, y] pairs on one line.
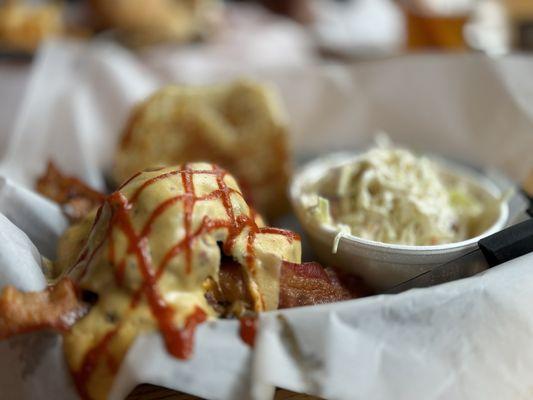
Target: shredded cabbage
[[391, 195]]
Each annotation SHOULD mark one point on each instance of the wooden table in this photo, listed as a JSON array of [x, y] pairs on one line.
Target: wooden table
[[150, 392]]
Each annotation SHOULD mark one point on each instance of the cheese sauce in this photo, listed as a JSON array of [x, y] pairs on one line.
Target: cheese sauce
[[152, 246]]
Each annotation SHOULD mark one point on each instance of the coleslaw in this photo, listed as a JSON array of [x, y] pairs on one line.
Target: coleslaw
[[391, 195]]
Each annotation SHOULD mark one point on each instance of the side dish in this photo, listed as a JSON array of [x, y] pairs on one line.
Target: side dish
[[390, 195]]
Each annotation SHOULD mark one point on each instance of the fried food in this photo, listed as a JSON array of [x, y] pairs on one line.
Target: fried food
[[76, 197], [72, 242], [23, 26], [79, 203], [229, 295], [299, 285], [310, 283], [143, 22], [171, 248], [154, 244], [239, 126], [56, 308]]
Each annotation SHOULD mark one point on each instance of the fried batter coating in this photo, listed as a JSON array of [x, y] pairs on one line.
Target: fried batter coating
[[239, 126], [57, 308], [76, 197]]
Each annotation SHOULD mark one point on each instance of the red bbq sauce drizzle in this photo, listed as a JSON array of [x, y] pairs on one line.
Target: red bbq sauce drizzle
[[179, 342], [90, 360], [248, 330]]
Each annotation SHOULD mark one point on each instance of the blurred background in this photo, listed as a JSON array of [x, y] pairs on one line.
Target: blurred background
[[199, 35], [344, 29]]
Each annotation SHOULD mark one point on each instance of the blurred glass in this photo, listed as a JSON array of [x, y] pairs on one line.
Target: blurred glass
[[436, 23], [480, 25], [434, 31]]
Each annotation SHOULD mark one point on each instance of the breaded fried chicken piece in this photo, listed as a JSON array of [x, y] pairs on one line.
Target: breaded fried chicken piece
[[238, 126]]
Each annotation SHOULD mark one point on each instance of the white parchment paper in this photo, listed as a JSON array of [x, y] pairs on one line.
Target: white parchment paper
[[469, 339]]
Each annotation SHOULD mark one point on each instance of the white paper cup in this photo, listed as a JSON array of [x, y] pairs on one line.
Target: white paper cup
[[384, 265]]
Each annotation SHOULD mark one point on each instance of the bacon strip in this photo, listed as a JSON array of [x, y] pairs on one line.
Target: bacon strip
[[73, 194], [310, 283], [56, 308], [300, 285]]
